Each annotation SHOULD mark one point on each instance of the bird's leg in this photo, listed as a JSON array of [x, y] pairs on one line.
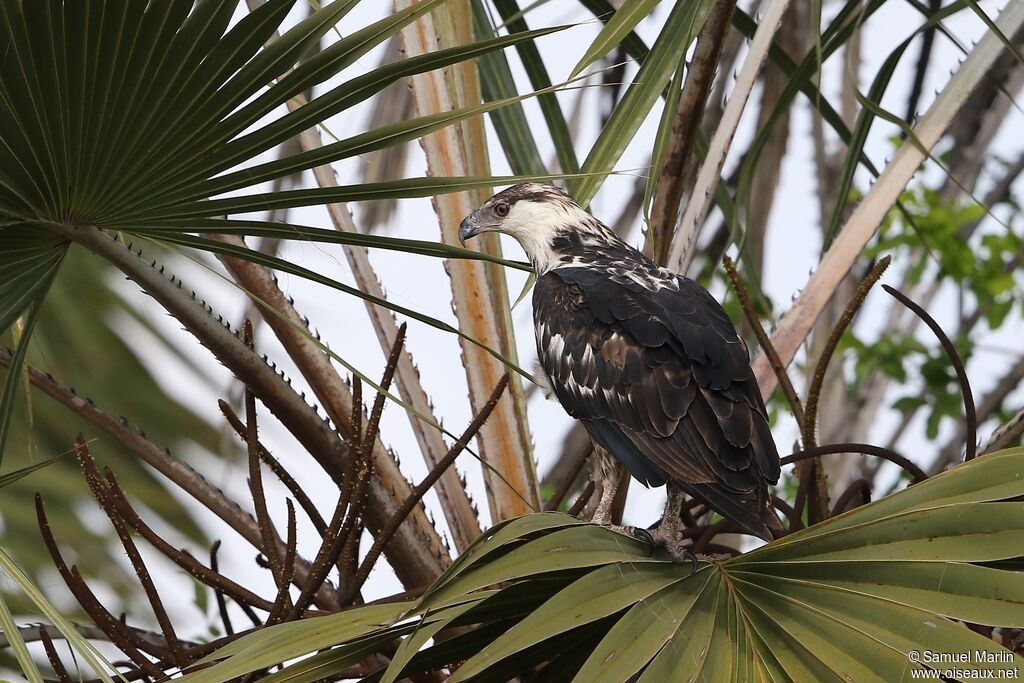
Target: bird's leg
[[668, 533], [605, 472], [672, 519]]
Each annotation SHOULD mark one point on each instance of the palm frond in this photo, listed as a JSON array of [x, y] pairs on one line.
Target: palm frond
[[888, 580]]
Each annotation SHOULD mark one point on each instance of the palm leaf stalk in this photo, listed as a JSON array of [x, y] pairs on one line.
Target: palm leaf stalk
[[504, 445], [460, 513]]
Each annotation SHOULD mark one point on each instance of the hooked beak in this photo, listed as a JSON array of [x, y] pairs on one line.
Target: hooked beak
[[474, 224]]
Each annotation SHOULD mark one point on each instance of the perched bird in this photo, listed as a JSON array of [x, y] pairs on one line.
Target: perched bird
[[645, 359]]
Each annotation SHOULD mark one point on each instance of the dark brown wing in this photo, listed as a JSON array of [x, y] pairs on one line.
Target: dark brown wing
[[653, 367]]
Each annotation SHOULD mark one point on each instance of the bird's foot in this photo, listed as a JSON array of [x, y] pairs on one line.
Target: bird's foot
[[644, 535], [678, 551]]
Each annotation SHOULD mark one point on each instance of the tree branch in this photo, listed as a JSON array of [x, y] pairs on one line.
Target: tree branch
[[421, 489], [700, 75], [1005, 435], [697, 210], [161, 459], [504, 441], [988, 405], [418, 558]]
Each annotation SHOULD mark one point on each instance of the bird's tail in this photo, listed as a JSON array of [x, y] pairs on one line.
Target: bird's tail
[[751, 512]]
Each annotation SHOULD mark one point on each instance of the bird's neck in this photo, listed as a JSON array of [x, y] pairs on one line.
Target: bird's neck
[[595, 245]]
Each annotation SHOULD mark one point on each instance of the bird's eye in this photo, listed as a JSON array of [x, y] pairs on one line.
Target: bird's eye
[[501, 209]]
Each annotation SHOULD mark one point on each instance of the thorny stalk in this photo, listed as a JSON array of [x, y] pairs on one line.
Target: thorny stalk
[[267, 532], [700, 75], [101, 491], [222, 605], [352, 530], [281, 602], [813, 487], [416, 550], [123, 638], [573, 471], [277, 468], [161, 459], [343, 523], [141, 648], [315, 366], [208, 576], [421, 489], [762, 338], [810, 421], [54, 658], [326, 556], [970, 414]]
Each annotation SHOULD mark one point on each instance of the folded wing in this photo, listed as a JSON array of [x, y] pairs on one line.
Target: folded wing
[[654, 369]]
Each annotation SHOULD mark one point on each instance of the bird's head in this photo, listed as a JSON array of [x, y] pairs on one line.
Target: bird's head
[[544, 219]]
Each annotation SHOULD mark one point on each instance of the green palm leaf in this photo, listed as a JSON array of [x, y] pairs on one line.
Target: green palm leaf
[[661, 62], [28, 258], [129, 157], [105, 169], [615, 30], [83, 347], [82, 647], [121, 114], [537, 72], [28, 264], [848, 599]]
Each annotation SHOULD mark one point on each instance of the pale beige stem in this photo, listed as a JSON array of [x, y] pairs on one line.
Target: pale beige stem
[[697, 210], [504, 444]]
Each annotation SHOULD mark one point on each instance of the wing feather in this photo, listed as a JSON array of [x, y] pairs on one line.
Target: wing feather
[[654, 368]]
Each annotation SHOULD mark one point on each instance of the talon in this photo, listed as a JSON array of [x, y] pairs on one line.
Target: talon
[[646, 536], [688, 554], [680, 555]]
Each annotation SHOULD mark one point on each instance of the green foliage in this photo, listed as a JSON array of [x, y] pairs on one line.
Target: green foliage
[[655, 73], [132, 117], [510, 123], [81, 346], [28, 264], [12, 572], [589, 604], [616, 28], [889, 353], [985, 269], [895, 355], [156, 170], [935, 234]]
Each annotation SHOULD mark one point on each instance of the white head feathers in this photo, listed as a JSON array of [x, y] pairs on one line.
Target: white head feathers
[[544, 219]]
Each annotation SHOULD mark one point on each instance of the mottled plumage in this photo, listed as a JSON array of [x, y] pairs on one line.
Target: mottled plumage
[[645, 358]]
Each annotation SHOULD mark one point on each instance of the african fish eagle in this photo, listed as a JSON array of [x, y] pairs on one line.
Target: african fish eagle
[[645, 359]]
